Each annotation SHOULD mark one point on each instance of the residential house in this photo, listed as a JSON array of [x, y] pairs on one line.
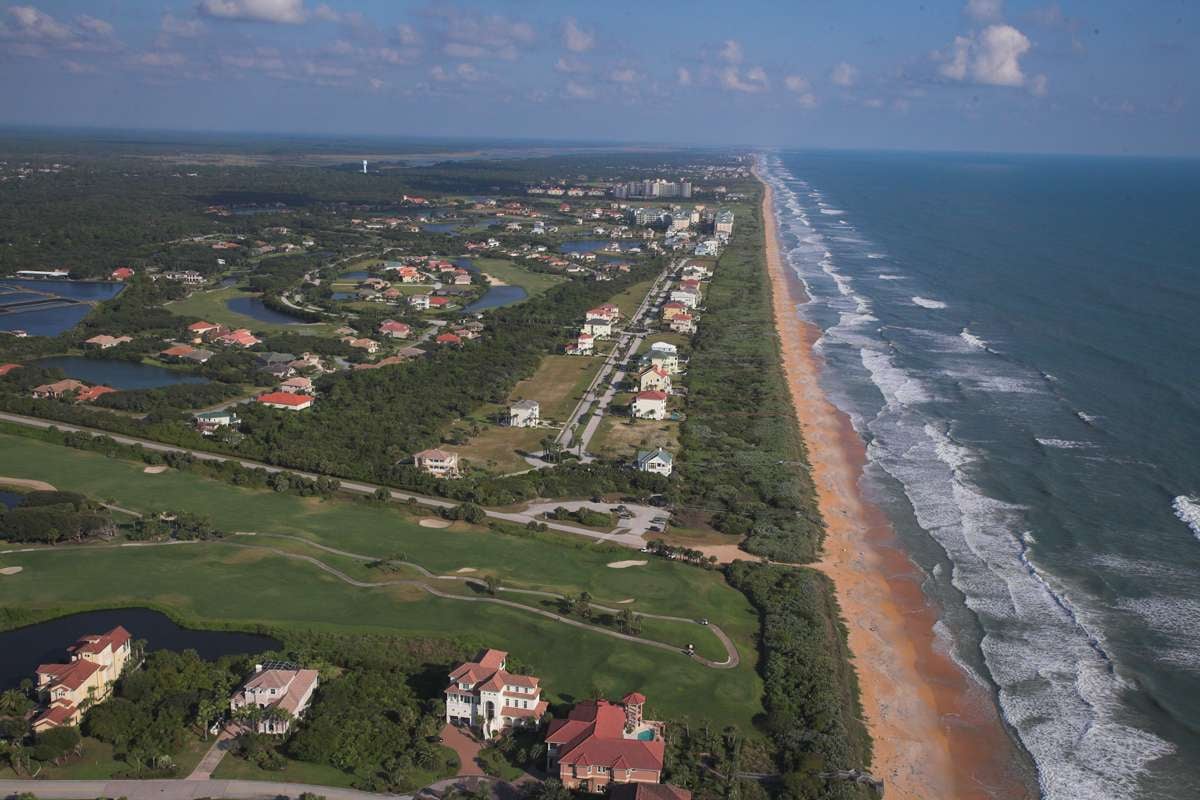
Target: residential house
[[649, 405], [665, 356], [723, 225], [449, 338], [121, 274], [198, 356], [278, 371], [439, 302], [90, 393], [59, 389], [683, 323], [655, 378], [648, 791], [242, 337], [419, 301], [659, 461], [607, 311], [67, 689], [524, 414], [394, 330], [285, 400], [206, 330], [673, 309], [7, 368], [297, 385], [176, 352], [598, 327], [208, 422], [583, 345], [104, 341], [689, 297], [439, 463], [483, 694], [601, 743], [277, 685], [274, 359], [370, 345]]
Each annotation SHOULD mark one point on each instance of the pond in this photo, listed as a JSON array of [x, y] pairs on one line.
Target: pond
[[441, 227], [255, 308], [495, 297], [21, 650], [10, 499], [51, 320], [118, 374], [345, 295], [357, 275]]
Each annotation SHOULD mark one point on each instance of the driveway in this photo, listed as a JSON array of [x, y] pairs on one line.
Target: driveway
[[466, 747]]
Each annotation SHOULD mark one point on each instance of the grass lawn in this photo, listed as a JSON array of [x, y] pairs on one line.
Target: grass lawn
[[496, 447], [96, 762], [211, 307], [558, 384], [678, 339], [233, 767], [515, 275], [631, 298], [216, 583], [621, 437]]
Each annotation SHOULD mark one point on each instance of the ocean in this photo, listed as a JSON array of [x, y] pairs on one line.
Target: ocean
[[1017, 340]]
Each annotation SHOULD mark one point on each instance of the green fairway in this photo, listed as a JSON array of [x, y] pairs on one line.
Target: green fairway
[[516, 275], [211, 307], [215, 584]]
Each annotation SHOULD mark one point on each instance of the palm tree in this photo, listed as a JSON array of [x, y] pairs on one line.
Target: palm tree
[[207, 712]]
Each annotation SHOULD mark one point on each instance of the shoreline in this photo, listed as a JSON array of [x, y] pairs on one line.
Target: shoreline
[[935, 733]]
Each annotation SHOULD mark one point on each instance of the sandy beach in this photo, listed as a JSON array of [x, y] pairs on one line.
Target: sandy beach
[[936, 733]]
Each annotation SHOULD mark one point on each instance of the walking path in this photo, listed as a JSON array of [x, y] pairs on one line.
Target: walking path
[[214, 756], [358, 487]]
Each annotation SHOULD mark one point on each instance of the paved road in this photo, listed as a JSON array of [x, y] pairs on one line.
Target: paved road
[[182, 790], [359, 487], [584, 407]]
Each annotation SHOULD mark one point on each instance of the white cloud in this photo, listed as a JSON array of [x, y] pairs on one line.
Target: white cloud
[[796, 83], [991, 57], [753, 81], [290, 12], [568, 65], [490, 36], [575, 38], [731, 52], [186, 28], [984, 10], [32, 24], [1039, 85], [683, 76], [579, 91], [96, 27], [844, 75]]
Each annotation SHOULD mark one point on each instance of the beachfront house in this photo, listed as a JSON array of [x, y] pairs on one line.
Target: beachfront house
[[598, 327], [524, 414], [649, 405], [482, 694], [439, 463], [278, 687], [583, 345], [655, 378], [67, 690], [658, 461], [602, 743], [664, 356]]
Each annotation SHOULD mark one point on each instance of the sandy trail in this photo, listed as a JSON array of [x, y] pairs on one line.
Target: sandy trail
[[936, 734], [26, 483]]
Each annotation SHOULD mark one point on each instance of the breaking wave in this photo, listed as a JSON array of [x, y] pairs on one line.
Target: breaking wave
[[1188, 511], [925, 302]]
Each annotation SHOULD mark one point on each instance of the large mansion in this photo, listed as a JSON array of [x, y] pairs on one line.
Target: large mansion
[[281, 686], [601, 743], [483, 694], [68, 689]]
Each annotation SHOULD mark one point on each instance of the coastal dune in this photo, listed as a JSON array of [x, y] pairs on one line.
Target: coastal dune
[[936, 734]]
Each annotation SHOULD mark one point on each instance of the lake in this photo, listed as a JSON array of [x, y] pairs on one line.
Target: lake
[[441, 227], [357, 275], [495, 296], [118, 374], [52, 321], [22, 649], [254, 307], [10, 499]]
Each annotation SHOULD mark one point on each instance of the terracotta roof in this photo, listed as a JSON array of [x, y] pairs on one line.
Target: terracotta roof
[[91, 393], [434, 453], [284, 399], [178, 351], [72, 675], [647, 791], [95, 643], [651, 395], [56, 715], [492, 658], [201, 326], [593, 734], [7, 368]]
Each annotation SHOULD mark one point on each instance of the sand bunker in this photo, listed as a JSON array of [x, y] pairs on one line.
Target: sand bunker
[[465, 569], [624, 564], [155, 470], [626, 600], [27, 483], [10, 570], [433, 522]]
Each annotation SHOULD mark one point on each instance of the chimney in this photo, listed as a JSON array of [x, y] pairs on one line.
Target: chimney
[[257, 668]]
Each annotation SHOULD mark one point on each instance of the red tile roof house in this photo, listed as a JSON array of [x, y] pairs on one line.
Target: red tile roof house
[[96, 662], [92, 392], [448, 338], [241, 338], [176, 352], [601, 743], [482, 694], [122, 274], [649, 405], [439, 302], [203, 329], [285, 400], [648, 791], [288, 689], [297, 385], [7, 368], [607, 311]]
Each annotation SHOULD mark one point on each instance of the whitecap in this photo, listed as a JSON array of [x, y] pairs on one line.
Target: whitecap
[[1063, 444], [925, 302], [833, 212], [1188, 511], [891, 277], [973, 340]]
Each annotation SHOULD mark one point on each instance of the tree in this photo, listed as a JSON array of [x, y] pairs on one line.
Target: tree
[[207, 711], [493, 584], [14, 703], [54, 744], [585, 605]]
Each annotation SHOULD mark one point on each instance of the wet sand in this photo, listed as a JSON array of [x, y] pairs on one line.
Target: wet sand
[[936, 733]]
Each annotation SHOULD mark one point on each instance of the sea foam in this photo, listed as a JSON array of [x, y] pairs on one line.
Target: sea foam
[[1188, 511], [925, 302]]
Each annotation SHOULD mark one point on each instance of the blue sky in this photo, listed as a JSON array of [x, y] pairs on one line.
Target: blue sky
[[1001, 75]]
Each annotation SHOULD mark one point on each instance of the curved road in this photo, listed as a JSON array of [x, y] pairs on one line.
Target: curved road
[[179, 789]]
